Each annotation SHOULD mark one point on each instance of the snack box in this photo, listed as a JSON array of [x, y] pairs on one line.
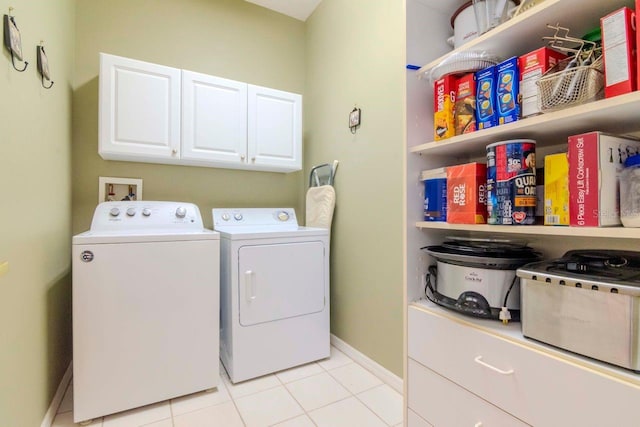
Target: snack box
[[467, 194], [465, 105], [507, 88], [485, 98], [435, 194], [595, 162], [444, 97], [556, 189], [619, 52], [532, 66]]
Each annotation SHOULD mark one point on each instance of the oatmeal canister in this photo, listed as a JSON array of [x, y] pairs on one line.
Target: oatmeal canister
[[511, 182]]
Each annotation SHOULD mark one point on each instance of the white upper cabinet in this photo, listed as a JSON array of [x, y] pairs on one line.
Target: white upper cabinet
[[275, 133], [139, 110], [214, 118], [157, 114]]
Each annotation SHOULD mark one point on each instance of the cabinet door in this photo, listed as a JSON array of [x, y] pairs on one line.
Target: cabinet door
[[275, 129], [214, 119], [139, 110]]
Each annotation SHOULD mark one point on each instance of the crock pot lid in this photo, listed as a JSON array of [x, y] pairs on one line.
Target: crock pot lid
[[518, 258]]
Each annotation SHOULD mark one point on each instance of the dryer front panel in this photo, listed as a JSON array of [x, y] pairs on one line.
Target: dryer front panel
[[280, 281]]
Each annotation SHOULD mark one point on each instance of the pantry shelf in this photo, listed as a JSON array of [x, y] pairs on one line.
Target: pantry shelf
[[524, 33], [617, 115], [608, 232]]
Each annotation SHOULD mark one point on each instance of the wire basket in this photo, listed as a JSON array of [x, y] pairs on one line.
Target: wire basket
[[564, 86]]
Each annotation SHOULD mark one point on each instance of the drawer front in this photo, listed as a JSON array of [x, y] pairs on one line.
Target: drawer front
[[414, 420], [537, 388], [444, 403]]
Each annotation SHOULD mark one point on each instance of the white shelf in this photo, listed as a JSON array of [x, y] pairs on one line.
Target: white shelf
[[524, 33], [541, 230], [615, 115]]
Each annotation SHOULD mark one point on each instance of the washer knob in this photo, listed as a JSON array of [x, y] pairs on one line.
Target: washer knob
[[181, 212], [226, 217], [283, 216], [114, 212], [131, 212], [238, 217], [146, 212]]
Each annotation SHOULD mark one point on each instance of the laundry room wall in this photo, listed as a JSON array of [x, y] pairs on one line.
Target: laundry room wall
[[35, 218], [227, 38], [355, 57]]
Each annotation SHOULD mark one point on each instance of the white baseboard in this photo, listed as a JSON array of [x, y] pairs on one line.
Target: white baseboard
[[391, 379], [57, 398]]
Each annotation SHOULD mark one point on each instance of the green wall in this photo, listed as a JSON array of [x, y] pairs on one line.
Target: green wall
[[226, 38], [355, 56], [35, 218]]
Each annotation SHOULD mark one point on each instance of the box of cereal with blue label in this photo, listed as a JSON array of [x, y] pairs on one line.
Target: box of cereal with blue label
[[485, 98], [508, 91]]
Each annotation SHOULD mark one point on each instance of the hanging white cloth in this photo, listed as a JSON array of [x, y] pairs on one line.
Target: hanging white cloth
[[320, 204]]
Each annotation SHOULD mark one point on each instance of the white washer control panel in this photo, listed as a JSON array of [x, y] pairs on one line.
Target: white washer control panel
[[285, 217], [133, 215]]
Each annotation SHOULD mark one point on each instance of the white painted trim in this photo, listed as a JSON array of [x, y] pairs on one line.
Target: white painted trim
[[391, 379], [57, 398]]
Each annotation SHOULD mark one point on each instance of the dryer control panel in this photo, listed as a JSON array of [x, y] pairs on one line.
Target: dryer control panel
[[145, 215], [272, 217]]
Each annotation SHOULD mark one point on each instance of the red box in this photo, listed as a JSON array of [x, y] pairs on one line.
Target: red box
[[465, 105], [595, 163], [532, 66], [467, 194], [619, 52], [444, 97]]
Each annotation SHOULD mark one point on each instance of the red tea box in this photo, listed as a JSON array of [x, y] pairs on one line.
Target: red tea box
[[444, 97], [595, 162], [619, 52], [467, 194], [465, 105], [532, 66]]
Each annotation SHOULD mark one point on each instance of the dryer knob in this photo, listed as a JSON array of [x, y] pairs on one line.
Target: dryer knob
[[181, 212], [283, 216], [238, 217], [226, 217], [146, 212], [114, 212], [131, 212]]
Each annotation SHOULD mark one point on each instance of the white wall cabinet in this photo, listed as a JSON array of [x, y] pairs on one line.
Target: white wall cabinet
[[139, 108], [156, 114], [546, 386]]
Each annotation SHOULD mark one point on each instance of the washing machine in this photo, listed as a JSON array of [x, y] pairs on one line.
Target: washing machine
[[274, 290], [145, 307]]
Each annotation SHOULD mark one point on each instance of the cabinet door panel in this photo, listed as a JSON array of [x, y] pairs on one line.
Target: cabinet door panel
[[539, 389], [274, 128], [139, 110], [444, 403], [214, 118]]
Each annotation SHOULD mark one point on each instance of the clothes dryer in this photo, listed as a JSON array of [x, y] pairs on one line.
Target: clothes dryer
[[145, 307], [274, 285]]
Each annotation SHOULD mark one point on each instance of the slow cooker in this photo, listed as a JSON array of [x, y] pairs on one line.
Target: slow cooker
[[477, 277]]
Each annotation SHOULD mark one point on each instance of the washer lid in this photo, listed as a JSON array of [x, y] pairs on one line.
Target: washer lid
[[140, 236]]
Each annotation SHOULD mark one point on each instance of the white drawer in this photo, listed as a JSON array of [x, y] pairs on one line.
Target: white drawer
[[444, 403], [414, 420], [536, 387]]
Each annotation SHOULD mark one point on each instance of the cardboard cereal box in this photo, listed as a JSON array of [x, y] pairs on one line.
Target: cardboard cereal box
[[556, 189], [485, 98], [444, 97], [532, 66], [465, 105]]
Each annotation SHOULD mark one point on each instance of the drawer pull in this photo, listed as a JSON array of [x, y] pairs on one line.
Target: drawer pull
[[493, 368]]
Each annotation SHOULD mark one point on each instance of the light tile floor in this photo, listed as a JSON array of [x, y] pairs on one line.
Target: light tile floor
[[335, 392]]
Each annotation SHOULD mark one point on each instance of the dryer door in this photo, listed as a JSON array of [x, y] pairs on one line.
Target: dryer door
[[280, 281]]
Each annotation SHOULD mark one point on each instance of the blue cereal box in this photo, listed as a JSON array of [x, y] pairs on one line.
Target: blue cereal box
[[508, 91], [485, 98], [435, 194]]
